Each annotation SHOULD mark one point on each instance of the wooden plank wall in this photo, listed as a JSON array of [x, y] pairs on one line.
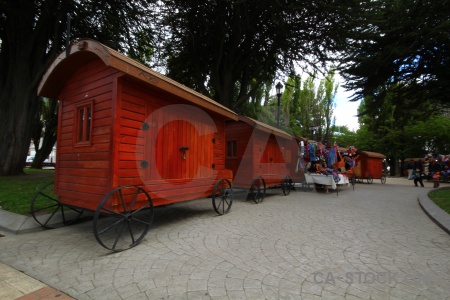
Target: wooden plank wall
[[83, 173], [366, 165], [258, 154], [242, 165], [168, 177], [272, 161]]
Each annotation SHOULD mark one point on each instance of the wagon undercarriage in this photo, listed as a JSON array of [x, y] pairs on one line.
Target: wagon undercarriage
[[120, 228]]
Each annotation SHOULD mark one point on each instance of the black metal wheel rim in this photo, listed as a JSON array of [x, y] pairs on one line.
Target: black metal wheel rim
[[287, 185], [258, 190], [125, 227], [48, 212], [353, 181], [222, 196]]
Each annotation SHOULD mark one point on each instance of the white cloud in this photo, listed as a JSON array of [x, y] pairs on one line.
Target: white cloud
[[345, 111]]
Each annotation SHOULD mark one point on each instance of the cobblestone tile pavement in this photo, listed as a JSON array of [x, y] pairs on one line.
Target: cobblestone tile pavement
[[371, 243]]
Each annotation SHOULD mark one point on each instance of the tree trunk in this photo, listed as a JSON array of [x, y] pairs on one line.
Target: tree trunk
[[24, 54], [46, 123], [43, 152], [15, 134]]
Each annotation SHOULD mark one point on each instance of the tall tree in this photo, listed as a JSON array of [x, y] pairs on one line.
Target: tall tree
[[383, 130], [315, 106], [344, 137], [31, 34], [305, 105], [431, 136], [227, 49], [328, 88], [401, 43], [44, 130]]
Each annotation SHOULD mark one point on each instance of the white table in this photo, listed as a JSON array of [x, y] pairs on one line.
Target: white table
[[326, 180]]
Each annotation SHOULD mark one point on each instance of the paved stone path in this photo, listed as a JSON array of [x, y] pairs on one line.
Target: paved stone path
[[371, 243]]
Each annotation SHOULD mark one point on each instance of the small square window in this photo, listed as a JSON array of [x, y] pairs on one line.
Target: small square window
[[231, 148], [83, 124]]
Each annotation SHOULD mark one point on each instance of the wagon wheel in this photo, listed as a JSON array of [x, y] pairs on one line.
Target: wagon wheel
[[222, 196], [258, 189], [353, 181], [287, 185], [337, 186], [305, 185], [49, 212], [383, 179], [118, 231], [369, 179]]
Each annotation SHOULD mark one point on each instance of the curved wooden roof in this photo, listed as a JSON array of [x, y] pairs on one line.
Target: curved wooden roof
[[83, 51], [373, 154], [301, 138], [266, 128]]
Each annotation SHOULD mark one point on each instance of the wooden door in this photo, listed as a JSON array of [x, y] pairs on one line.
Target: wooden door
[[272, 156], [179, 146]]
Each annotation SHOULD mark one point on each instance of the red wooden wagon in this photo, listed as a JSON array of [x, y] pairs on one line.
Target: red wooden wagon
[[258, 156], [369, 166], [130, 139]]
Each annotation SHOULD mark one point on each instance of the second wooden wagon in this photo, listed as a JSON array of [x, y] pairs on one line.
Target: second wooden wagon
[[258, 155]]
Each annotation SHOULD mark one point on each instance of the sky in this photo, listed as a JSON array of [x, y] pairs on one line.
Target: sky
[[345, 111]]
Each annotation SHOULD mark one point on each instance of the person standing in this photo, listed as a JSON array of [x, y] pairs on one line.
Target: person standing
[[419, 166], [445, 174], [410, 168], [436, 178], [426, 167], [418, 177]]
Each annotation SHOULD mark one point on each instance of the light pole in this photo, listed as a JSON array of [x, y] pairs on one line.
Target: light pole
[[313, 129], [278, 88]]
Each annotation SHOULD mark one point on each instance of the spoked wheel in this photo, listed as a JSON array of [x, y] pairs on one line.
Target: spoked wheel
[[337, 186], [353, 181], [305, 185], [258, 190], [369, 179], [123, 218], [287, 185], [49, 212], [222, 196], [383, 179]]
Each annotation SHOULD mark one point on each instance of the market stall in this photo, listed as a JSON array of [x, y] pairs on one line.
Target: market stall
[[326, 181], [323, 168]]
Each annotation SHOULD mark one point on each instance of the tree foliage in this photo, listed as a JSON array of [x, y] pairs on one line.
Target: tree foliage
[[403, 44], [384, 129], [31, 34], [431, 136], [228, 49], [304, 104], [315, 107], [344, 137]]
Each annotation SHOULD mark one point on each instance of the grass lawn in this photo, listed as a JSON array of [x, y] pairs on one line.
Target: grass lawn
[[16, 192], [442, 198]]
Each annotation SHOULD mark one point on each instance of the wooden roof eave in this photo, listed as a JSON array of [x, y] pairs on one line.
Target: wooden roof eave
[[266, 128], [83, 51], [301, 138], [373, 154]]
